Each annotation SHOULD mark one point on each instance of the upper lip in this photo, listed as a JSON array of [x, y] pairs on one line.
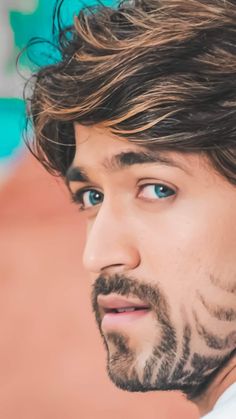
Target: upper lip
[[111, 302]]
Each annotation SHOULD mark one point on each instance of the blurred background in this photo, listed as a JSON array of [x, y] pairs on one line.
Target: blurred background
[[52, 363]]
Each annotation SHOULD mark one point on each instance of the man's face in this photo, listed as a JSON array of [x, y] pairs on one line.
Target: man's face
[[161, 251]]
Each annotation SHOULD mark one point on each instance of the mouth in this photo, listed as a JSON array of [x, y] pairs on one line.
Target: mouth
[[124, 310], [117, 311]]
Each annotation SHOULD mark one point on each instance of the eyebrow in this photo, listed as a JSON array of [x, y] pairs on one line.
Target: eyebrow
[[121, 161]]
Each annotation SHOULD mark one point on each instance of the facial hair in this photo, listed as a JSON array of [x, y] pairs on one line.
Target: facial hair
[[189, 372]]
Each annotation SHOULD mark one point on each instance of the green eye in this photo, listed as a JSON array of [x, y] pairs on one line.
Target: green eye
[[163, 191], [88, 198], [92, 198], [157, 191]]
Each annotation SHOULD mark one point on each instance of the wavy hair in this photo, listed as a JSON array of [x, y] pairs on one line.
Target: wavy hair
[[160, 73]]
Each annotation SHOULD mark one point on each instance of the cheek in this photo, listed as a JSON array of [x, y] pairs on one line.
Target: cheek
[[182, 255], [180, 251], [182, 263]]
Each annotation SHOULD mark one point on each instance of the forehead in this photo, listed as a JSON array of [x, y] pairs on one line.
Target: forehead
[[98, 143], [97, 147]]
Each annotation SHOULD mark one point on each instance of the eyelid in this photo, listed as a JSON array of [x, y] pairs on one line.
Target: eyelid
[[79, 192], [155, 181], [152, 182]]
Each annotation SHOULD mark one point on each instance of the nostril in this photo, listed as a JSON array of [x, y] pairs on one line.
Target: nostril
[[116, 267]]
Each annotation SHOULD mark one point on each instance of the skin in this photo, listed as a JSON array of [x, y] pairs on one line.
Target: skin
[[180, 247]]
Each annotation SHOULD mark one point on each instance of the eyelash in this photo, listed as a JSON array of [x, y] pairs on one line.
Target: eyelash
[[77, 197]]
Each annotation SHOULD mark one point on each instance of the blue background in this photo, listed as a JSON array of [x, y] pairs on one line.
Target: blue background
[[26, 26]]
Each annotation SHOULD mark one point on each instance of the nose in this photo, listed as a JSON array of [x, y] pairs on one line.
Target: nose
[[110, 245]]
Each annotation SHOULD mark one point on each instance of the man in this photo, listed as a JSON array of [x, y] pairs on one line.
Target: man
[[138, 118]]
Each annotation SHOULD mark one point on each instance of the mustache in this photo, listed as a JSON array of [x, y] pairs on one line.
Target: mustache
[[126, 286]]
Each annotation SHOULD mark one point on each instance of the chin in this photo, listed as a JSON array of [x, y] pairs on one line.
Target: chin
[[162, 369], [133, 384], [128, 375]]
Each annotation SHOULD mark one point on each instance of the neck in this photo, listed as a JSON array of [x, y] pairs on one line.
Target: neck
[[222, 381]]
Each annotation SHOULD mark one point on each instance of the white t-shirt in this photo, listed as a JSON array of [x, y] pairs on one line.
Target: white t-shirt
[[225, 407]]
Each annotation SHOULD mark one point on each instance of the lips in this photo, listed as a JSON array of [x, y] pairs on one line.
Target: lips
[[116, 304], [118, 313]]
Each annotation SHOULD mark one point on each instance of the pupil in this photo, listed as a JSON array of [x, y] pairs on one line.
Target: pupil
[[163, 191], [94, 197]]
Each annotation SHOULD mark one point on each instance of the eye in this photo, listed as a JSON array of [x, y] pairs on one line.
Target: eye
[[156, 191], [87, 198]]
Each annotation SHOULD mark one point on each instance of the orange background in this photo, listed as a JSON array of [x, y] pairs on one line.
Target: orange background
[[52, 361]]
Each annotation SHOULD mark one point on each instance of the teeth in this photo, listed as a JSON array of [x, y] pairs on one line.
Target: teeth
[[122, 310]]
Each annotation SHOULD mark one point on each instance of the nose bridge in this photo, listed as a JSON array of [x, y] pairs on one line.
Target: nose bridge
[[110, 242]]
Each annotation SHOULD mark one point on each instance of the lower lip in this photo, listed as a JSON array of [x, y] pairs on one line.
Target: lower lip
[[113, 320]]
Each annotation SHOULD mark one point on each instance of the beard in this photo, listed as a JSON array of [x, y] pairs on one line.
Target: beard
[[164, 369]]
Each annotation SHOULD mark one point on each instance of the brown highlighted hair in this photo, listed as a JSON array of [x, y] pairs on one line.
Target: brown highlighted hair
[[161, 73]]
